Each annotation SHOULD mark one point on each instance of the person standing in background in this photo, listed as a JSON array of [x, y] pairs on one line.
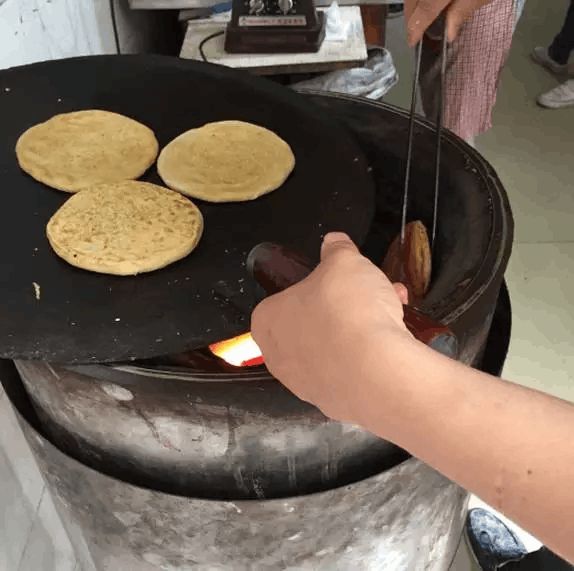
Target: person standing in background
[[480, 34], [555, 58]]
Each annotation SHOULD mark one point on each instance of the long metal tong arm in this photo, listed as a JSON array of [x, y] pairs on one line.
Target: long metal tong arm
[[438, 28], [407, 180], [440, 110]]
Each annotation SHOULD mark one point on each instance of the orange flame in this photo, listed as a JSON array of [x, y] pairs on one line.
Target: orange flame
[[241, 351]]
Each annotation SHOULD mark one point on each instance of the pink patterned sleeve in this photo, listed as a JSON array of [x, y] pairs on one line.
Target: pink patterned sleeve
[[474, 64]]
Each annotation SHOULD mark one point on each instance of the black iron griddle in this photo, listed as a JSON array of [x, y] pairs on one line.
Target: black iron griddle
[[85, 317]]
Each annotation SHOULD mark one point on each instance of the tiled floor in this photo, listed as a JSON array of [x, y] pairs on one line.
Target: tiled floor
[[532, 150], [31, 535]]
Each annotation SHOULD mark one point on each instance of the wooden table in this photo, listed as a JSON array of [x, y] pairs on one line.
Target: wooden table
[[184, 4], [332, 55], [374, 12]]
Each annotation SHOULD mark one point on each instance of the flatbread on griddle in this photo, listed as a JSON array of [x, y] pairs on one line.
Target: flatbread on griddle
[[75, 150], [125, 228], [228, 161]]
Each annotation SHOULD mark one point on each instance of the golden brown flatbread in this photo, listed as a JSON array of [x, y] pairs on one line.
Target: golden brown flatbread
[[75, 150], [125, 228], [228, 161]]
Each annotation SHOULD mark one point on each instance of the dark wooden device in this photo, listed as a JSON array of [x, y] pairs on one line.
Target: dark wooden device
[[274, 26]]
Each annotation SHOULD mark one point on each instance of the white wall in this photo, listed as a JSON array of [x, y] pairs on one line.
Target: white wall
[[36, 30]]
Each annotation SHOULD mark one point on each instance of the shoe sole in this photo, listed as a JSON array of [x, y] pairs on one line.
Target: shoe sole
[[555, 105]]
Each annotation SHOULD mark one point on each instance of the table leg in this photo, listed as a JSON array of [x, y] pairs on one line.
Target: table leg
[[375, 23]]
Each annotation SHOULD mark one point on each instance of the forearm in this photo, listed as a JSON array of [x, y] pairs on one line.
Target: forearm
[[337, 340], [511, 446]]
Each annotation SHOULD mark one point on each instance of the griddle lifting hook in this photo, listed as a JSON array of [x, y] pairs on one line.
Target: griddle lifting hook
[[438, 26]]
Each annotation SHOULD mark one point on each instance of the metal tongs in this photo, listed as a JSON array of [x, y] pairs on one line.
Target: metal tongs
[[275, 267], [436, 31]]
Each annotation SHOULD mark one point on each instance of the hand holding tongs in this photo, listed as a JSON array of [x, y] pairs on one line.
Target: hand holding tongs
[[275, 268]]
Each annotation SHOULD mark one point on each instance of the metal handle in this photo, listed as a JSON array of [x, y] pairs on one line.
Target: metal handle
[[276, 268], [430, 332]]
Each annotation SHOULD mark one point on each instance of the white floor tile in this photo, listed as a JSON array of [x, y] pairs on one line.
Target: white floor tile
[[541, 283], [48, 547], [16, 517], [462, 560], [531, 147], [19, 455]]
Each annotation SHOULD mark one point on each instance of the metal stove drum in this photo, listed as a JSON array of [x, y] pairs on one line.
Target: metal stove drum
[[162, 456]]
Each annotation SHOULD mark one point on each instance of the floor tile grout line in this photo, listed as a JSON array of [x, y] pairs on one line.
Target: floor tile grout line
[[31, 529]]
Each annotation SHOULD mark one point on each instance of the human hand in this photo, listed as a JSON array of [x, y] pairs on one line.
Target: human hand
[[420, 14], [325, 337]]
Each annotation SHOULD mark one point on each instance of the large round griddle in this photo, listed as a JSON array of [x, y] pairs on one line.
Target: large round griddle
[[86, 317]]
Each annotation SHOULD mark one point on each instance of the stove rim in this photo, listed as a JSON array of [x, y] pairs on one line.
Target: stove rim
[[15, 391], [186, 374]]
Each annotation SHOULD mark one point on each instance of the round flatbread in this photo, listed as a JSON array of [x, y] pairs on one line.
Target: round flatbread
[[75, 150], [125, 228], [229, 161]]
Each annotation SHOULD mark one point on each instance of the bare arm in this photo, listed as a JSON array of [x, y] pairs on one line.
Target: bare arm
[[337, 340], [511, 446]]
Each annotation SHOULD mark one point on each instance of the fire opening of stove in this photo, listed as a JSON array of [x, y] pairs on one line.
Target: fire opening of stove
[[241, 351]]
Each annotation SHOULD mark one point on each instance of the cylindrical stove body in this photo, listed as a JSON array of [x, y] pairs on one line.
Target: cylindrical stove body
[[407, 518], [225, 436], [152, 469], [239, 434]]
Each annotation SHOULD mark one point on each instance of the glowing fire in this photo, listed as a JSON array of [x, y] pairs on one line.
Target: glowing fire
[[240, 351]]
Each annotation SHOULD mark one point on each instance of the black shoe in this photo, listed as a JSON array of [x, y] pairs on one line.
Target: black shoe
[[492, 543], [395, 10]]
